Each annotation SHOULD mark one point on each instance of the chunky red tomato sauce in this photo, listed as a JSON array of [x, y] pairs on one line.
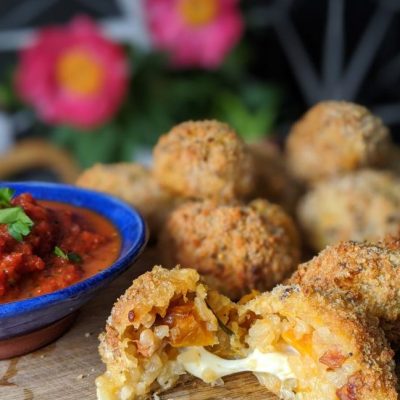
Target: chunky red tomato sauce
[[31, 267]]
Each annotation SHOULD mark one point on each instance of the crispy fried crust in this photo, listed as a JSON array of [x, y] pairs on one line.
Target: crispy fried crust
[[204, 159], [274, 182], [341, 355], [365, 275], [363, 205], [134, 184], [140, 298], [160, 312], [236, 248], [334, 137], [333, 353]]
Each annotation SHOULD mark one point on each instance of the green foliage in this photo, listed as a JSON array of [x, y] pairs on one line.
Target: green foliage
[[8, 97], [100, 145], [252, 113], [160, 97]]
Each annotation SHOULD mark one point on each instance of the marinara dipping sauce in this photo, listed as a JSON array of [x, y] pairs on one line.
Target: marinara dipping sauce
[[65, 245]]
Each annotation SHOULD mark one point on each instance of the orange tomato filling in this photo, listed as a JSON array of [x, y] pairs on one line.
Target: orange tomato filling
[[186, 327], [303, 345]]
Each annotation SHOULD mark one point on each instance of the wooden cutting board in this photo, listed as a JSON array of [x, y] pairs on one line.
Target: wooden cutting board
[[67, 368]]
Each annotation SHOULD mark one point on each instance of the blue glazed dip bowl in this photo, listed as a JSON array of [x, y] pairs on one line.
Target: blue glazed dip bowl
[[31, 323]]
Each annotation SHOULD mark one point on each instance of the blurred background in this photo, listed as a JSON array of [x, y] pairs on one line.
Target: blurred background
[[86, 81]]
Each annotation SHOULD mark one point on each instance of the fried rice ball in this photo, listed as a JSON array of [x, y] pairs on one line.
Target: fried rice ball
[[335, 137], [363, 274], [273, 180], [236, 248], [204, 160], [331, 353], [168, 324], [163, 312], [134, 184], [363, 205]]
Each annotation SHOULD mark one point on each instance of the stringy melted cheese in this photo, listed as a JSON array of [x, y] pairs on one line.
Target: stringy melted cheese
[[209, 367]]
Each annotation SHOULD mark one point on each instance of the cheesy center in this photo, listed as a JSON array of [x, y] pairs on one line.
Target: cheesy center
[[209, 367]]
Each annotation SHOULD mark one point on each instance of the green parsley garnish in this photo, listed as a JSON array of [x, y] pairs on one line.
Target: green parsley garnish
[[6, 195], [73, 257], [60, 253], [18, 223]]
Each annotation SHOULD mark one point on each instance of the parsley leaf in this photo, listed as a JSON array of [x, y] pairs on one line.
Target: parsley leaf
[[60, 253], [73, 257], [19, 224], [6, 194]]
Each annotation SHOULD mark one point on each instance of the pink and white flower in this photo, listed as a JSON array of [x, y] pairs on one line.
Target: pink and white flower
[[196, 33], [73, 75]]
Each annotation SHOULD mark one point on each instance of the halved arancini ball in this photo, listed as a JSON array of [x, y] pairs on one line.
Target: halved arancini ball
[[163, 312], [365, 275], [299, 345], [330, 352]]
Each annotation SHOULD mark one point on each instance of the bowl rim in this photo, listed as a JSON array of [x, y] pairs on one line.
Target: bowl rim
[[19, 307]]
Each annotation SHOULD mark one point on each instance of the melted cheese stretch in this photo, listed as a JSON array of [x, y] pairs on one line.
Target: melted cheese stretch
[[209, 367]]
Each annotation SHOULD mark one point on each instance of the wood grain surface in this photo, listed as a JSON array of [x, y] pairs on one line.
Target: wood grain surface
[[67, 368]]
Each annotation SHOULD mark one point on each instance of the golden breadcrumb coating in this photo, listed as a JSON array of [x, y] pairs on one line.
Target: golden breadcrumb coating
[[334, 137], [132, 183], [163, 311], [274, 182], [204, 159], [334, 354], [300, 345], [363, 205], [364, 275], [236, 248]]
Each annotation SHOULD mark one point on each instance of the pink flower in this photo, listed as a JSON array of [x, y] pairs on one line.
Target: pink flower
[[196, 33], [73, 75]]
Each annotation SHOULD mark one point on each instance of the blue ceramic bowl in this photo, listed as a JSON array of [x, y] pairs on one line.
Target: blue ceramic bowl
[[25, 316]]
